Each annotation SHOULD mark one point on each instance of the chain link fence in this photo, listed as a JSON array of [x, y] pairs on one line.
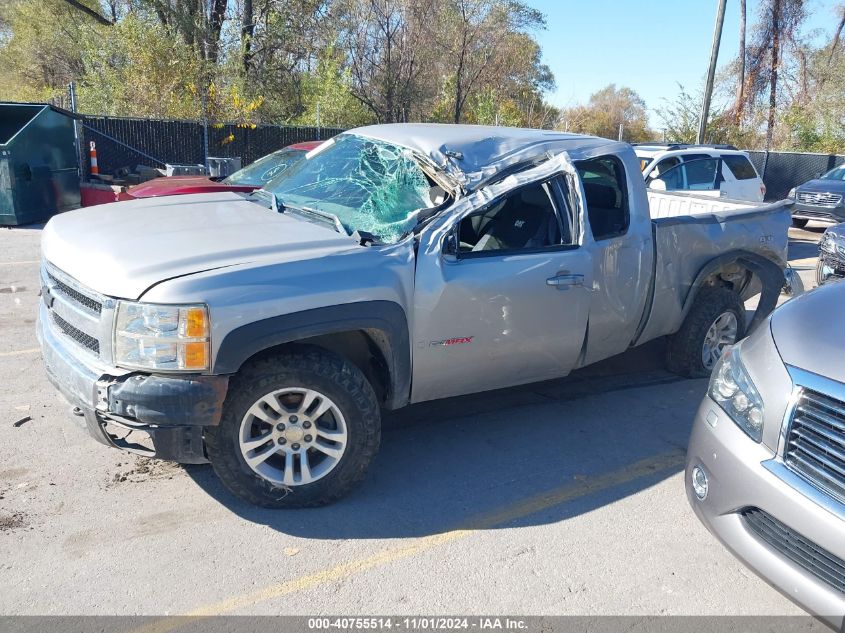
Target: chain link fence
[[781, 171], [123, 143]]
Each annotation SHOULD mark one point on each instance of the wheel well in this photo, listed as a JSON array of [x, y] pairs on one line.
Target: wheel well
[[735, 276], [367, 349], [748, 275]]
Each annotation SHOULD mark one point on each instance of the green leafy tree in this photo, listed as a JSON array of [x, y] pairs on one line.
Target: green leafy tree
[[606, 111]]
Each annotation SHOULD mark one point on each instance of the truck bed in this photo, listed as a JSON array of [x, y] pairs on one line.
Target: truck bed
[[690, 231]]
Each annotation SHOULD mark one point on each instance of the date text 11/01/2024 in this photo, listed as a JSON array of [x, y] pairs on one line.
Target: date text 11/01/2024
[[417, 623]]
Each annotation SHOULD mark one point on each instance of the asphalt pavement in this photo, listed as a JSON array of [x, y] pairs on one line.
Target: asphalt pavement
[[564, 497]]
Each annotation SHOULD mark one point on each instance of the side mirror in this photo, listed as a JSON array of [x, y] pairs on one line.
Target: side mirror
[[657, 184]]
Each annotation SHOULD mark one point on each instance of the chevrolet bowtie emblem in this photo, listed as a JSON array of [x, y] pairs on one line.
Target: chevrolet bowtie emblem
[[47, 296]]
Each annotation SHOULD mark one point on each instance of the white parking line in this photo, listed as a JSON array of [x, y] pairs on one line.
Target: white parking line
[[28, 262], [21, 352]]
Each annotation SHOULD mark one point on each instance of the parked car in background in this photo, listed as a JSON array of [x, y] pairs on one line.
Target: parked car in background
[[822, 198], [765, 465], [395, 264], [251, 177], [831, 264], [715, 170]]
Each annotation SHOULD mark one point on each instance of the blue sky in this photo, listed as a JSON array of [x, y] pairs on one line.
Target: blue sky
[[647, 45]]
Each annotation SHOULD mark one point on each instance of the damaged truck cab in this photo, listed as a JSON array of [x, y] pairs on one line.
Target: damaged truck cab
[[395, 264]]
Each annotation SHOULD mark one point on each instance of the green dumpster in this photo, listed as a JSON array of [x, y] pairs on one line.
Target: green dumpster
[[39, 168]]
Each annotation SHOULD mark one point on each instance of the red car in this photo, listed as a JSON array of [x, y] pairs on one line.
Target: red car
[[251, 177]]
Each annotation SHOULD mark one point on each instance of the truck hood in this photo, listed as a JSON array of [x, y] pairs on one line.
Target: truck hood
[[124, 248], [808, 331]]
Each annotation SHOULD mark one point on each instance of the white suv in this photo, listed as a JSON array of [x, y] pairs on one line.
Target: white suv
[[716, 170]]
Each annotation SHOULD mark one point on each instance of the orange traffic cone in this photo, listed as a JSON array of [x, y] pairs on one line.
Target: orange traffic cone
[[92, 153]]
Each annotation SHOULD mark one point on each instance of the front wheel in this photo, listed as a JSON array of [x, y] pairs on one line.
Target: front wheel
[[715, 322], [298, 430]]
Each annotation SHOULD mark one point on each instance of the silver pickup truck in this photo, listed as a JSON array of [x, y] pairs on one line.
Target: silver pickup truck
[[265, 332]]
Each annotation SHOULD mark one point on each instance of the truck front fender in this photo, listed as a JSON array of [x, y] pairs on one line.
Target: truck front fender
[[385, 317], [769, 272]]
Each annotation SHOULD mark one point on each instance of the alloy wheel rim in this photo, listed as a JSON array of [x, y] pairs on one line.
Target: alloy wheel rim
[[293, 436], [721, 335]]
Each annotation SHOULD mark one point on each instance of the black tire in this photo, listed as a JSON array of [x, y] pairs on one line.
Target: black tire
[[819, 267], [798, 223], [312, 368], [684, 354]]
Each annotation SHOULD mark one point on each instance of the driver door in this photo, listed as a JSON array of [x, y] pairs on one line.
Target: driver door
[[503, 287]]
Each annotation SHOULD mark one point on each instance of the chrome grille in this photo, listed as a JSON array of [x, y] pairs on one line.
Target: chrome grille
[[819, 199], [92, 304], [815, 442], [827, 567], [76, 334], [77, 312]]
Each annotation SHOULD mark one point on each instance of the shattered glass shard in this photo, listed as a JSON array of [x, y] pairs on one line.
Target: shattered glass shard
[[370, 185]]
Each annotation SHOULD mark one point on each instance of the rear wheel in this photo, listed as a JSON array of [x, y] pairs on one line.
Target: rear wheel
[[799, 223], [715, 322], [298, 430]]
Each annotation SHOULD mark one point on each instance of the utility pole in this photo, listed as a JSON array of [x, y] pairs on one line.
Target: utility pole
[[711, 72]]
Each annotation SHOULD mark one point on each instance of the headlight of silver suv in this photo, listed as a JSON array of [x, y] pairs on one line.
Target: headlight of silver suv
[[732, 388], [161, 337]]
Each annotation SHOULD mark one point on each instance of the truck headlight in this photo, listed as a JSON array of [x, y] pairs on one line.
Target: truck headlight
[[161, 337], [732, 388], [791, 194]]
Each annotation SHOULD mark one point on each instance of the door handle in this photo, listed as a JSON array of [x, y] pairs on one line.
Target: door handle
[[565, 280]]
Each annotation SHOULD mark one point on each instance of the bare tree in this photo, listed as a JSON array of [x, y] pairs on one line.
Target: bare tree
[[199, 22], [247, 33], [838, 34], [386, 41], [99, 17], [778, 25]]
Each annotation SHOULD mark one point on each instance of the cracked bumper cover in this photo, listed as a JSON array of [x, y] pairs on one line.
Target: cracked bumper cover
[[158, 416]]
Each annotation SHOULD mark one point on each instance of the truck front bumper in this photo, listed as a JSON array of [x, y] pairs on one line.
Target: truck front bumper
[[159, 416], [745, 482]]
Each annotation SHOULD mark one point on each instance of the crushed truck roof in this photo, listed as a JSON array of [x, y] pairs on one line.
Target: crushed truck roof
[[473, 154]]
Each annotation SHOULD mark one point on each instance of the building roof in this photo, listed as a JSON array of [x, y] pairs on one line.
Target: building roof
[[473, 154]]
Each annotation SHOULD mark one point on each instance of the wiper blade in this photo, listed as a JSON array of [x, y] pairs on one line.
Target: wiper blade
[[330, 218], [265, 195]]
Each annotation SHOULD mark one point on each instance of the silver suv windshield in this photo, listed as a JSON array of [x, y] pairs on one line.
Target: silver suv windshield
[[368, 184]]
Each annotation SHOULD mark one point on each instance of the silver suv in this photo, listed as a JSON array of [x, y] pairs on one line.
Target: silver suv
[[766, 462]]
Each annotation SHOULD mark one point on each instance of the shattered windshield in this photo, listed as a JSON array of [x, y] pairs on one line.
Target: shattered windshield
[[368, 184], [265, 168]]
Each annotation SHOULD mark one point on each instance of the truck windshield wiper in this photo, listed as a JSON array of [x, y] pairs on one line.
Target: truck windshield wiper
[[325, 216]]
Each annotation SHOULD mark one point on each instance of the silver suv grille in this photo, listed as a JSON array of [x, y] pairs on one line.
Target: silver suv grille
[[76, 312], [819, 199], [825, 566], [815, 444]]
